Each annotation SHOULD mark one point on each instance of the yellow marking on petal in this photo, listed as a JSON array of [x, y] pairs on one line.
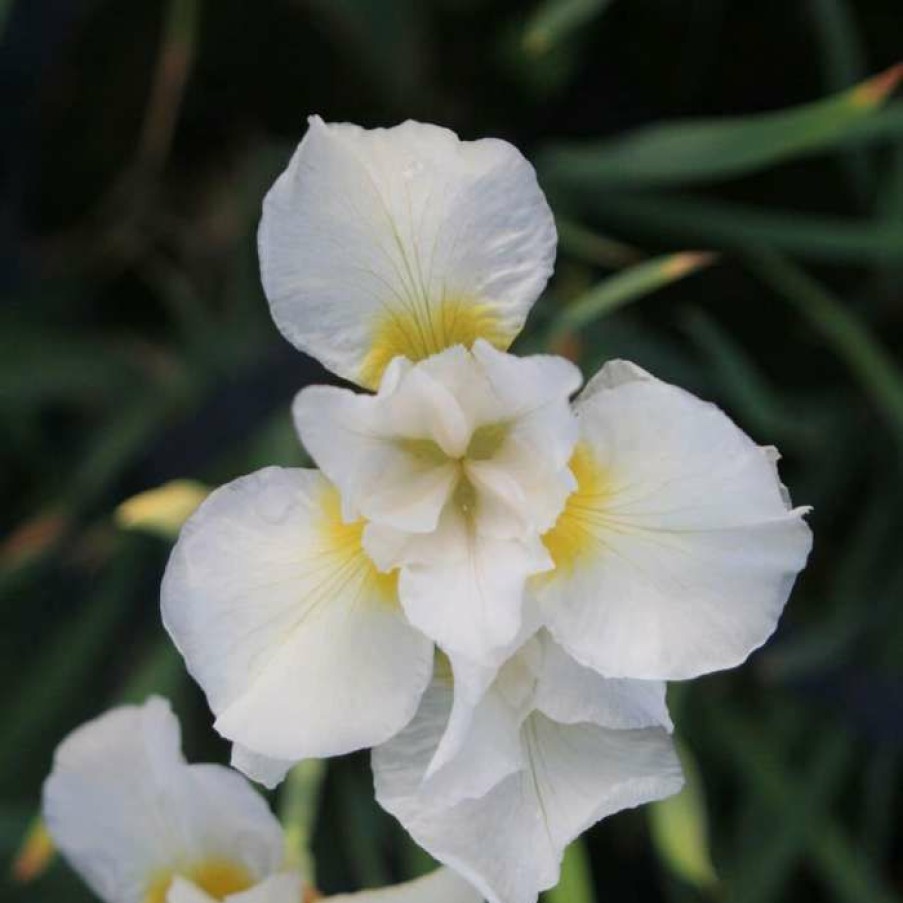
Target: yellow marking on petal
[[342, 543], [573, 537], [422, 330], [216, 877]]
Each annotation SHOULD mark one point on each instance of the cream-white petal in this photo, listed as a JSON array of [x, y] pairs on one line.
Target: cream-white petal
[[509, 842], [463, 590], [502, 508], [678, 550], [357, 442], [401, 241], [264, 769], [125, 808], [480, 745], [534, 392], [441, 885], [298, 642], [570, 693]]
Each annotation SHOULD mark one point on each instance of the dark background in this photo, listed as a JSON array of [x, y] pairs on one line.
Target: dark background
[[136, 347]]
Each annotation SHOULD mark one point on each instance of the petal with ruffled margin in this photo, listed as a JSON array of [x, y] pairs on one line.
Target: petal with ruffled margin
[[677, 551], [509, 842], [298, 642], [402, 242], [570, 693]]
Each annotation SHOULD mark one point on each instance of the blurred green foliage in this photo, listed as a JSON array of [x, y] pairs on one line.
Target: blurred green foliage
[[136, 348]]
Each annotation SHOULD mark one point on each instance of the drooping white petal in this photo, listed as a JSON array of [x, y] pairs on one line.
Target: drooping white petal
[[509, 842], [440, 886], [263, 769], [677, 552], [570, 693], [480, 744], [401, 242], [128, 812], [297, 641]]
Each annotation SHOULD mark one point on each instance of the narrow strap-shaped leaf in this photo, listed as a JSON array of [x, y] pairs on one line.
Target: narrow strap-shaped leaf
[[702, 150], [629, 285], [727, 225]]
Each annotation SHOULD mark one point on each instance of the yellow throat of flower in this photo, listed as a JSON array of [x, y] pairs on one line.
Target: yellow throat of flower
[[342, 543], [419, 328], [216, 877], [574, 535]]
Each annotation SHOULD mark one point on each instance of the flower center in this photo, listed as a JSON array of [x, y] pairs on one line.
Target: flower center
[[486, 441], [465, 496], [216, 877], [483, 445]]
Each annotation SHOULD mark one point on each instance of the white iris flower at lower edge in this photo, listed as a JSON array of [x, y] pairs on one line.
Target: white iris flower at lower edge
[[141, 825], [559, 558]]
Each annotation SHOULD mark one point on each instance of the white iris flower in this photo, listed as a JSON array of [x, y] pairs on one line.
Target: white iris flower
[[464, 503], [141, 825]]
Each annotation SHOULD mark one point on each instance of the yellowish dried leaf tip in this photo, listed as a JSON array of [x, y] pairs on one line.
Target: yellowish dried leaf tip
[[874, 91], [679, 265], [163, 510]]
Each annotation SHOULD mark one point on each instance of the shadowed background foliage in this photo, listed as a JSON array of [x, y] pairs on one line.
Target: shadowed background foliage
[[136, 348]]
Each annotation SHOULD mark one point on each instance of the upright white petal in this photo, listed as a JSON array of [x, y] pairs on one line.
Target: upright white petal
[[402, 242], [440, 886], [677, 551], [128, 812], [509, 842], [298, 642]]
